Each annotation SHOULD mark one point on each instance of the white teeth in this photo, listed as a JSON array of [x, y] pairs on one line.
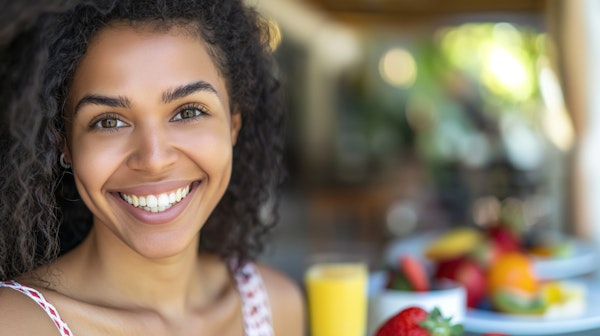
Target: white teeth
[[153, 203], [163, 200]]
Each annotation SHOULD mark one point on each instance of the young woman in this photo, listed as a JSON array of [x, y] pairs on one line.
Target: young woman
[[141, 141]]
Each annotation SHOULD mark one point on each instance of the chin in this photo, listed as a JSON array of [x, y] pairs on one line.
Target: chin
[[167, 247]]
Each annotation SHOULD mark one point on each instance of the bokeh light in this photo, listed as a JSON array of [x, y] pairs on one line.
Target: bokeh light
[[398, 67]]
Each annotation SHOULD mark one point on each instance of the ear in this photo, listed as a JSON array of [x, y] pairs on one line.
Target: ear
[[236, 125], [65, 150]]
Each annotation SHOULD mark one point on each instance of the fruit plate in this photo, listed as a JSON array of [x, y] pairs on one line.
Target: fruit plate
[[481, 321], [581, 261]]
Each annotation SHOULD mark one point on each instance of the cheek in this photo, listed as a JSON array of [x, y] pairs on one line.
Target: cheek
[[212, 149], [95, 161]]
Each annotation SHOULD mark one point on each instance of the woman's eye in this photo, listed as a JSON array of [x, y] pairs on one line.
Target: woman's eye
[[109, 123], [187, 113]]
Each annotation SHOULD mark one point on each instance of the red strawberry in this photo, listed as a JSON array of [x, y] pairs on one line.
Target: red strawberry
[[415, 321], [405, 322]]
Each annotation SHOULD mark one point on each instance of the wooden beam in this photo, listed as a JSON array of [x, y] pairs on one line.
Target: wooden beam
[[406, 7]]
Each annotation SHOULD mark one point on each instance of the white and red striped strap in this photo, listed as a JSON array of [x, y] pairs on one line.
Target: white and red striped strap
[[256, 309], [42, 302], [255, 302]]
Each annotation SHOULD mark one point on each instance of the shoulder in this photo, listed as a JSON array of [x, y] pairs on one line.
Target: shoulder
[[20, 315], [286, 299]]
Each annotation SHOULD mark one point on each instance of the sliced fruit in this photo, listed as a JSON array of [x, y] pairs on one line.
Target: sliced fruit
[[415, 273], [398, 281], [467, 272], [486, 253], [505, 238], [513, 301], [453, 243], [541, 251], [564, 298], [512, 270]]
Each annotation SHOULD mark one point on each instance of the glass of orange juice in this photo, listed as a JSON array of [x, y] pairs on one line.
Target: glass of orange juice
[[337, 296]]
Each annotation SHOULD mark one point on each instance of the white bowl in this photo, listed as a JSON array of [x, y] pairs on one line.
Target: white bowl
[[450, 298]]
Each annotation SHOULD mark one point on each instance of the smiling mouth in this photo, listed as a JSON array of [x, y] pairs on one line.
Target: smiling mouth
[[157, 203]]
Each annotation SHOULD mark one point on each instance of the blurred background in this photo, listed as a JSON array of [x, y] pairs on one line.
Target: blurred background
[[411, 115]]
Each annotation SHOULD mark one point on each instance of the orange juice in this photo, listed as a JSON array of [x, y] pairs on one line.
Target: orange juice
[[337, 299]]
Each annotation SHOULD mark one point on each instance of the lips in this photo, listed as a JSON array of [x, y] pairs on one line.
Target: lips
[[156, 202]]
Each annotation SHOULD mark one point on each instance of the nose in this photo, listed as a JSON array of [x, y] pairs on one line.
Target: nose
[[153, 151]]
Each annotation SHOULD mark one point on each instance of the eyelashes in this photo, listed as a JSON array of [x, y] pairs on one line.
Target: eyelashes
[[189, 112], [107, 122], [112, 122]]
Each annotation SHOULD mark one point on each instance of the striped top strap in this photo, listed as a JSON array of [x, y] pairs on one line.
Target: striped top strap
[[42, 302], [256, 310], [255, 302]]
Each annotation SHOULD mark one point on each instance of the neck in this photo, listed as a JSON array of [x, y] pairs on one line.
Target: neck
[[113, 274]]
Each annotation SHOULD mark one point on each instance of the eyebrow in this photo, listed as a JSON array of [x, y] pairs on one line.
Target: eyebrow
[[186, 90], [96, 99], [167, 97]]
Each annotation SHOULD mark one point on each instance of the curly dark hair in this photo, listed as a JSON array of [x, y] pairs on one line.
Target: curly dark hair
[[41, 215]]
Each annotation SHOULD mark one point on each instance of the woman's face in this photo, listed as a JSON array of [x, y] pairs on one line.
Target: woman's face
[[151, 137]]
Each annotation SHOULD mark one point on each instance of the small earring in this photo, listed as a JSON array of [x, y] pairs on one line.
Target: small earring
[[63, 162]]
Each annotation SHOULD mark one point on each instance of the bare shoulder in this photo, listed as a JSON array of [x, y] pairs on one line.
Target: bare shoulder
[[20, 315], [287, 302]]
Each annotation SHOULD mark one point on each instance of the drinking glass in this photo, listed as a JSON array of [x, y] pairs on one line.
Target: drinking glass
[[336, 287]]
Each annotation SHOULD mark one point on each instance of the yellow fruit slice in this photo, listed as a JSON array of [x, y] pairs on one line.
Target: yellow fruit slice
[[453, 243], [564, 298]]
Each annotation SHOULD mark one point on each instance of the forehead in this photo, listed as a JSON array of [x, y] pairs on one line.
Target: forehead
[[123, 58]]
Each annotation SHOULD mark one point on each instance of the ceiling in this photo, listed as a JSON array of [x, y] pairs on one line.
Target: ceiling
[[393, 11]]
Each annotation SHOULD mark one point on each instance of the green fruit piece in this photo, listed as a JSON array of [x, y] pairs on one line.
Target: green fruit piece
[[400, 282], [511, 302], [563, 250]]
